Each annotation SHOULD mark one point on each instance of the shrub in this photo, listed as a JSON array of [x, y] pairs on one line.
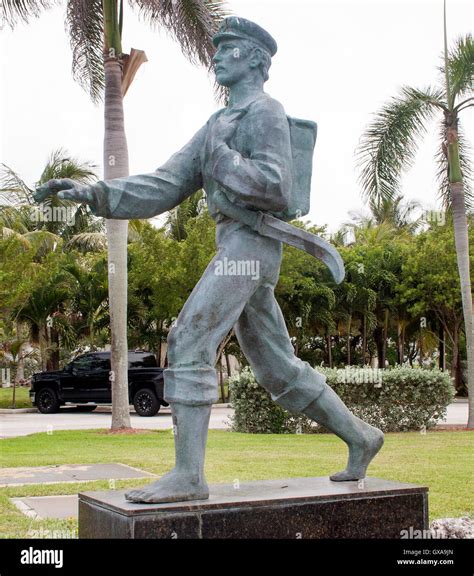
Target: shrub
[[255, 411], [395, 399]]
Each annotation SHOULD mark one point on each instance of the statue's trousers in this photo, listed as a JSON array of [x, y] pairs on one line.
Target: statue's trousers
[[237, 290]]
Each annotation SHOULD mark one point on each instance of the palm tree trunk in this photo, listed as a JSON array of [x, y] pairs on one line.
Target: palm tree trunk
[[402, 344], [455, 358], [55, 349], [461, 239], [385, 337], [364, 339], [378, 339], [441, 348], [42, 348], [328, 340], [462, 254], [221, 380], [116, 166], [158, 354], [399, 343], [227, 363], [349, 321], [20, 366], [420, 348]]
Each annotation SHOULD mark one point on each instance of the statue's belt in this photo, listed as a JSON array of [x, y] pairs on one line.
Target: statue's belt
[[267, 225]]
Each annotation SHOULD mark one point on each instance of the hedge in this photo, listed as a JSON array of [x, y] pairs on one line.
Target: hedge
[[395, 399]]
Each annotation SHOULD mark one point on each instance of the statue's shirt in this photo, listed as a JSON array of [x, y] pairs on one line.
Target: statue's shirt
[[254, 169]]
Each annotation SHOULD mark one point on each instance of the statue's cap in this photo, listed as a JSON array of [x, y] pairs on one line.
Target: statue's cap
[[235, 27]]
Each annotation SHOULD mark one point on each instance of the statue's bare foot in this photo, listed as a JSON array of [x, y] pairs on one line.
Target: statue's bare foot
[[360, 455], [172, 487]]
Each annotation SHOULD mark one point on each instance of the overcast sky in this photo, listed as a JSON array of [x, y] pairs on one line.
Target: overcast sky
[[337, 63]]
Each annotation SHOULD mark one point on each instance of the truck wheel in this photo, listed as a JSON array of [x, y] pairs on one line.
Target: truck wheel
[[146, 403], [47, 401]]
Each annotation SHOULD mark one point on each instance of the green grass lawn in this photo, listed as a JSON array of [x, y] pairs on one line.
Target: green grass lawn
[[22, 398], [440, 460]]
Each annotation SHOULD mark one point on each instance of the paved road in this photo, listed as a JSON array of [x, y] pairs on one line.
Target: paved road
[[27, 423], [457, 413]]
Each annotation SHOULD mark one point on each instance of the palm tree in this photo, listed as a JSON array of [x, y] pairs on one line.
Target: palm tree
[[89, 295], [392, 212], [95, 29], [45, 228], [389, 144], [178, 218], [38, 311]]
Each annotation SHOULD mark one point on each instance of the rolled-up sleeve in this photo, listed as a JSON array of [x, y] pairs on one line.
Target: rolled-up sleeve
[[263, 179], [146, 195]]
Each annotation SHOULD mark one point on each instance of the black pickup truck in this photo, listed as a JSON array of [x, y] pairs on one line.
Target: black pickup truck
[[86, 383]]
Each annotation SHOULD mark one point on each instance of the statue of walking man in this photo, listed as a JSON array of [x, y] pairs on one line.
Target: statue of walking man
[[244, 155]]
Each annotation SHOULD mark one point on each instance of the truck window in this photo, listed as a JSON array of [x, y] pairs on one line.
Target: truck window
[[84, 364], [141, 360]]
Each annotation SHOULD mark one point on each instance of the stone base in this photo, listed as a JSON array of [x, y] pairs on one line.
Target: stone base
[[291, 508]]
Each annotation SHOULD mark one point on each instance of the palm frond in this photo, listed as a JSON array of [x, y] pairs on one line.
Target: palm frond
[[43, 242], [64, 218], [177, 219], [388, 146], [461, 67], [88, 242], [373, 234], [11, 233], [14, 11], [433, 96], [192, 23], [465, 154], [394, 212], [13, 190], [83, 221], [61, 165], [84, 21], [136, 229], [18, 218]]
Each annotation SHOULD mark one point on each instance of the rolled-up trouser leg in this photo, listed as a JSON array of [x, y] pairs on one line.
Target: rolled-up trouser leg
[[191, 386], [244, 261], [264, 339]]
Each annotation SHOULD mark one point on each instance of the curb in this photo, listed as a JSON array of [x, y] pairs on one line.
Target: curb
[[17, 410], [105, 409]]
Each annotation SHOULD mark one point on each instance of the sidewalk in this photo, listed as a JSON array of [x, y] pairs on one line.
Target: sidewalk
[[457, 413], [21, 424]]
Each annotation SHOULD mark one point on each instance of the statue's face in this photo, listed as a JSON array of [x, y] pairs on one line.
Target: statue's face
[[231, 62]]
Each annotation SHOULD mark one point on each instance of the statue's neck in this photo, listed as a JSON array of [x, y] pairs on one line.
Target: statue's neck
[[243, 93]]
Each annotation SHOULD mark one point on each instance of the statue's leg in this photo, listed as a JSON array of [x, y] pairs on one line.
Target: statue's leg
[[264, 339], [211, 311], [186, 481]]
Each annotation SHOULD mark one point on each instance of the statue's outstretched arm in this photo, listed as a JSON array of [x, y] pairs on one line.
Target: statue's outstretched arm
[[141, 196]]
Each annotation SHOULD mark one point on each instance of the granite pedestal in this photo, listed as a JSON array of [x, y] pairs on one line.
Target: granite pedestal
[[291, 508]]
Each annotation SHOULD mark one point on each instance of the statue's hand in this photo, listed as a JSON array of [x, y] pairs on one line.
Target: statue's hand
[[66, 189], [225, 126]]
